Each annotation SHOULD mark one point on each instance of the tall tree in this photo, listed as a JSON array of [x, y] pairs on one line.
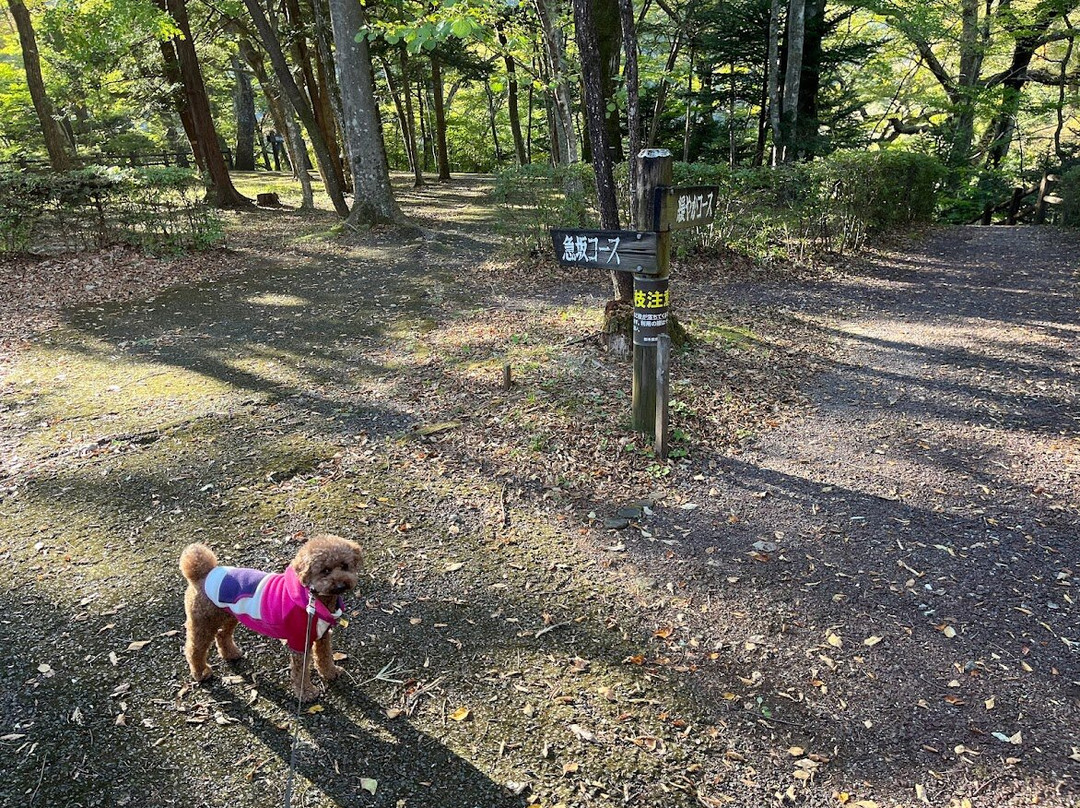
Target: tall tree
[[244, 110], [180, 50], [596, 116], [55, 142], [323, 156], [512, 94], [558, 71], [438, 103], [373, 197]]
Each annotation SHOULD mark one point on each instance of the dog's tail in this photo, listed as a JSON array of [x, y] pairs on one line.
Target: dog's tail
[[196, 561]]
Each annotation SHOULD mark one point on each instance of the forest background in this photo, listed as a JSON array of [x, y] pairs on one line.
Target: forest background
[[979, 96]]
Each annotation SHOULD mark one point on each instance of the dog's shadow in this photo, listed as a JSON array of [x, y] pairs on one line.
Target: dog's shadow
[[348, 740]]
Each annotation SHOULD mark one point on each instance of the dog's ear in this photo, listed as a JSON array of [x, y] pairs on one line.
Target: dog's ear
[[301, 564]]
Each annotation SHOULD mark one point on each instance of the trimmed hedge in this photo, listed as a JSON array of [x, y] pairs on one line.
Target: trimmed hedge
[[156, 209]]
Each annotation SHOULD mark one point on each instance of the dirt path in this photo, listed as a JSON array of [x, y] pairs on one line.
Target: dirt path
[[857, 586], [917, 581]]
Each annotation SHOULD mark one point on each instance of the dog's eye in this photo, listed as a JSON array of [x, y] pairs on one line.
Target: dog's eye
[[327, 570]]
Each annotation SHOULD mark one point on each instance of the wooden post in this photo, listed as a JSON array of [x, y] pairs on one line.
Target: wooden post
[[663, 387], [1014, 205], [1047, 183], [650, 291]]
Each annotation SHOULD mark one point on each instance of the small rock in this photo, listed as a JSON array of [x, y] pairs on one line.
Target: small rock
[[614, 523]]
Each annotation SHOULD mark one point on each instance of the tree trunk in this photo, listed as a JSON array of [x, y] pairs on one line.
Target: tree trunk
[[661, 93], [410, 119], [284, 121], [220, 191], [493, 115], [1062, 84], [244, 108], [795, 35], [55, 145], [315, 83], [608, 21], [966, 89], [687, 124], [442, 156], [806, 129], [596, 114], [399, 109], [373, 197], [176, 94], [512, 99], [776, 10], [303, 111], [555, 52], [633, 100]]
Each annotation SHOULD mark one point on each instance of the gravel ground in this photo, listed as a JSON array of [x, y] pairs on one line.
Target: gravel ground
[[858, 587]]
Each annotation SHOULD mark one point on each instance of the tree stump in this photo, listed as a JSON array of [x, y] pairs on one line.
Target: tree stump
[[618, 330], [267, 201]]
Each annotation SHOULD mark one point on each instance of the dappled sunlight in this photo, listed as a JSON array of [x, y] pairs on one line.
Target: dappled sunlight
[[277, 300]]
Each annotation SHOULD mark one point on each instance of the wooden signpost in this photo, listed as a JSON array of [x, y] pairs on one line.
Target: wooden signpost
[[647, 253], [619, 250]]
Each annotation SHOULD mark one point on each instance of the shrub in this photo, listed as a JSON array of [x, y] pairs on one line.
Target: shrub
[[1069, 190], [534, 198], [787, 211], [970, 190], [156, 209]]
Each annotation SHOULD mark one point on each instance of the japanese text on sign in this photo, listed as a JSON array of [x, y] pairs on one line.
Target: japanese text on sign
[[692, 208], [588, 249], [652, 299]]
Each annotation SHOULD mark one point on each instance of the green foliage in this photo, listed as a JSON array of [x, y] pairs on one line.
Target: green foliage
[[155, 209], [534, 198], [970, 190], [787, 212], [882, 190], [1069, 190]]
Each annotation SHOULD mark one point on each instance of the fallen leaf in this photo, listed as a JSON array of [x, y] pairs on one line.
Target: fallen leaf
[[138, 645], [570, 768], [315, 708], [664, 632], [582, 733], [454, 567], [834, 640], [949, 632], [369, 785], [870, 642], [461, 713], [796, 751], [920, 794]]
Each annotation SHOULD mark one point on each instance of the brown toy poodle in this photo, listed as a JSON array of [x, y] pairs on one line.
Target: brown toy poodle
[[273, 604]]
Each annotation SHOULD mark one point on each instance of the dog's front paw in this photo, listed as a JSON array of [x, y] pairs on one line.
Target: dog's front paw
[[307, 694], [331, 672], [202, 674]]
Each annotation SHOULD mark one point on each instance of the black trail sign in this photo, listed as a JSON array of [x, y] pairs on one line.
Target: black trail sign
[[619, 250], [681, 208]]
